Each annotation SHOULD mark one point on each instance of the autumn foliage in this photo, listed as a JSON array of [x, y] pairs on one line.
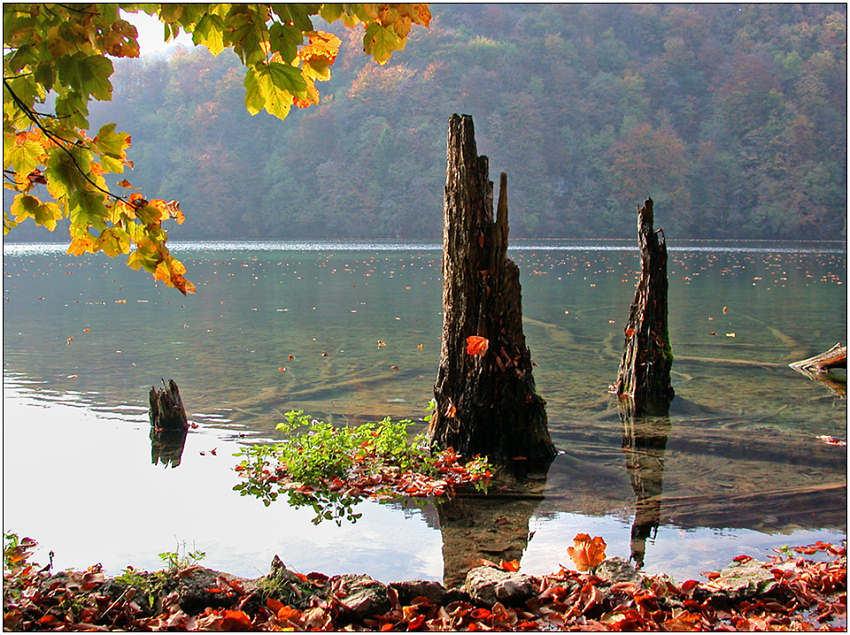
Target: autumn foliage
[[58, 56], [807, 594], [587, 553]]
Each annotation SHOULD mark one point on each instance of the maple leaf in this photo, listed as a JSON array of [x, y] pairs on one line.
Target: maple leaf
[[587, 552], [476, 345]]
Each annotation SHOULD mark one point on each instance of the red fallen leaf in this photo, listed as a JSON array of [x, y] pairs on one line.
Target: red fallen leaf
[[274, 605], [48, 620], [282, 369], [416, 622], [741, 559], [480, 614], [192, 424], [239, 468], [687, 585], [510, 565], [214, 589], [301, 577], [287, 613], [711, 575], [394, 367], [213, 451], [291, 357], [587, 552], [826, 439], [476, 345], [235, 621], [630, 331]]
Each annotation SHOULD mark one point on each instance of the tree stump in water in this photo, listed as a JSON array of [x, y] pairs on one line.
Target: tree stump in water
[[167, 413], [644, 373], [485, 394]]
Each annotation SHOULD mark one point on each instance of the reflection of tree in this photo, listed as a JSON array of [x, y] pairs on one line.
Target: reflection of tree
[[167, 447], [644, 442], [493, 526]]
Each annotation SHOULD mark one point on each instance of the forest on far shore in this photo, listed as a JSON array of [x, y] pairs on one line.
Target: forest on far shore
[[732, 117]]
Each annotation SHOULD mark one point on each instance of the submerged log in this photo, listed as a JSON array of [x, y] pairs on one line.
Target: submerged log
[[835, 357], [644, 373], [485, 394], [167, 413]]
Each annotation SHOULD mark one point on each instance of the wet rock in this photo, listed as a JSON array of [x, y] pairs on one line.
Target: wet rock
[[199, 587], [434, 591], [745, 580], [359, 596], [488, 585], [618, 569]]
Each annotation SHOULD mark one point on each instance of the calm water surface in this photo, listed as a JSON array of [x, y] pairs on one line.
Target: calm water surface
[[736, 468]]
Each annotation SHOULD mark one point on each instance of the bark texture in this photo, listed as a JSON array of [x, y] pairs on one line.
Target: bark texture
[[644, 373], [486, 403], [167, 412]]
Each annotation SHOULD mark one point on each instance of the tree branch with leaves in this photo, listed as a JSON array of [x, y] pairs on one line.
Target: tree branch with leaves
[[58, 56]]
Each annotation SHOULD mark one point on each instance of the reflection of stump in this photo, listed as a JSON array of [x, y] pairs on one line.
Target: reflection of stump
[[492, 526], [167, 411], [644, 372], [486, 399], [645, 443], [167, 447]]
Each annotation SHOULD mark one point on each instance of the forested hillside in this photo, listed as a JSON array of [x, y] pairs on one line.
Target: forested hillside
[[732, 117]]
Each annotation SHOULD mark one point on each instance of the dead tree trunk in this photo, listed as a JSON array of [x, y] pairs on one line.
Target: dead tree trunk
[[485, 394], [835, 357], [167, 413], [644, 373]]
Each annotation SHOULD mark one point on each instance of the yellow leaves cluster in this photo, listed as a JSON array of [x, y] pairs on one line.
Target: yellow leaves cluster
[[402, 16]]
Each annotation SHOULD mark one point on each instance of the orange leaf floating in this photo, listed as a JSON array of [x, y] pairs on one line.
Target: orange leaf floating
[[587, 552], [510, 565], [476, 345]]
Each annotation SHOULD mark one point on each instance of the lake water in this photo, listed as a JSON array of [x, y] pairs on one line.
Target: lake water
[[736, 468]]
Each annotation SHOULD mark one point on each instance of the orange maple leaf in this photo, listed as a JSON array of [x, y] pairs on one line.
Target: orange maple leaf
[[476, 345], [510, 565], [587, 552]]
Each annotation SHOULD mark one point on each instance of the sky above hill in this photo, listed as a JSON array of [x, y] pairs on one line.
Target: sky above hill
[[151, 37]]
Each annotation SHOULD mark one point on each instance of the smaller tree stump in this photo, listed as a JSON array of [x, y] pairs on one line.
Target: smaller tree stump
[[835, 357], [167, 413], [644, 373]]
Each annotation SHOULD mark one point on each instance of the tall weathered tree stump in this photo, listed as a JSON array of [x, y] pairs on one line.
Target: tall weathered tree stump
[[167, 412], [485, 394], [644, 373]]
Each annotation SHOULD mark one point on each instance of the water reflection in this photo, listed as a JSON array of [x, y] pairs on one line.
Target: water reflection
[[492, 526], [644, 444], [167, 447]]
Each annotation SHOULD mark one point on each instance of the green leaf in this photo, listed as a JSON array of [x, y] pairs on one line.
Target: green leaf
[[87, 74], [111, 145], [297, 14], [113, 241], [288, 78], [380, 42], [272, 86], [285, 39], [330, 12], [63, 176], [209, 32], [22, 157], [88, 208]]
